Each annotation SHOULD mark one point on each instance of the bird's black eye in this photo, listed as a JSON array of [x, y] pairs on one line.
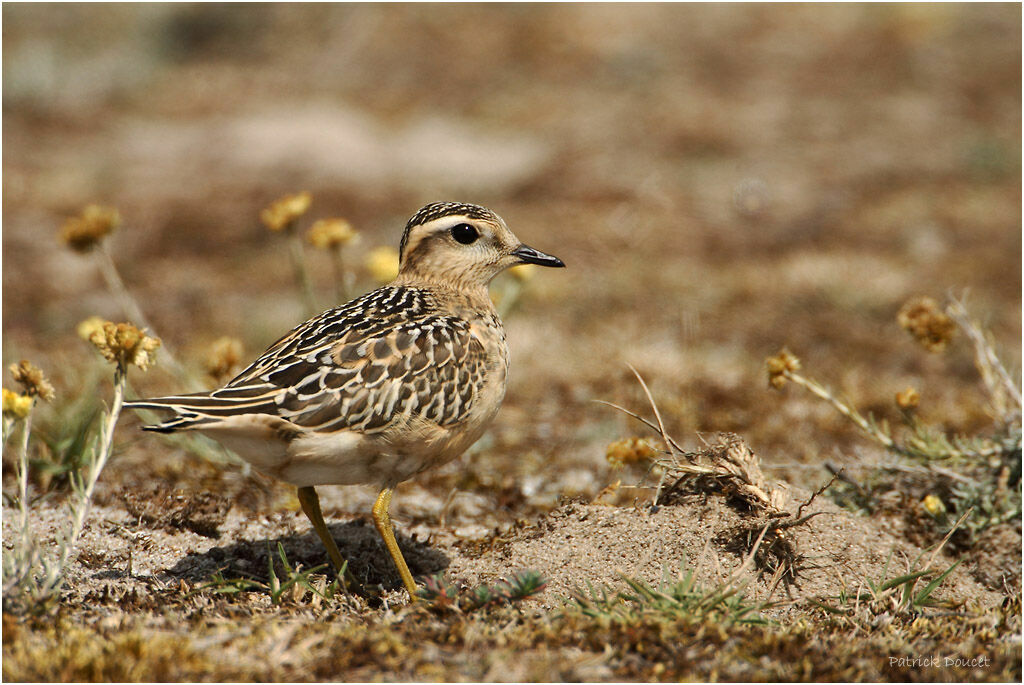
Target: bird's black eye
[[464, 233]]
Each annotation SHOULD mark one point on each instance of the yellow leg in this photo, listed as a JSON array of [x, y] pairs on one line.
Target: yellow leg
[[382, 519], [311, 506]]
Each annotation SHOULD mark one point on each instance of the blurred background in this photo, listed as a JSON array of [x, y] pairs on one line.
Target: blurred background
[[721, 180]]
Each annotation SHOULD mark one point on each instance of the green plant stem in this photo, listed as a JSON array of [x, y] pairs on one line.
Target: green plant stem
[[914, 447], [80, 508], [342, 276], [116, 286], [23, 558], [8, 429], [132, 310], [302, 279], [26, 428], [19, 561], [1001, 387], [843, 409]]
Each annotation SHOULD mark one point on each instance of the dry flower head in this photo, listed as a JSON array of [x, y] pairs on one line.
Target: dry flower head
[[908, 398], [16, 406], [31, 378], [124, 343], [83, 232], [282, 213], [922, 318], [328, 234], [86, 328], [382, 263], [224, 358], [933, 505], [630, 451], [780, 365]]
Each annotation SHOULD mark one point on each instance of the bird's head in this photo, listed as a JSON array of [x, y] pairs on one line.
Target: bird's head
[[461, 245]]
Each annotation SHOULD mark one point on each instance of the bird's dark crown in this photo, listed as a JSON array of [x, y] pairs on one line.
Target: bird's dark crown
[[438, 210]]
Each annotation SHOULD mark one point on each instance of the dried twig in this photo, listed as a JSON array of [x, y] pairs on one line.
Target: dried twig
[[817, 492]]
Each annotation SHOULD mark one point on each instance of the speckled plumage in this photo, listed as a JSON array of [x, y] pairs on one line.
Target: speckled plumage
[[396, 381], [393, 353]]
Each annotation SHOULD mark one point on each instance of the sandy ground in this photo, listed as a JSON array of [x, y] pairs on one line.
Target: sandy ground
[[168, 539]]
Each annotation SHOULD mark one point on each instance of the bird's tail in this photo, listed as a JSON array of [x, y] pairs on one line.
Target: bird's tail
[[200, 410]]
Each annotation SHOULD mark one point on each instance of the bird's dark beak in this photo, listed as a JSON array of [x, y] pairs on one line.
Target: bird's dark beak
[[528, 255]]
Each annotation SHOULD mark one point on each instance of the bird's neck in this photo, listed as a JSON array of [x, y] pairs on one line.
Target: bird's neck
[[473, 292]]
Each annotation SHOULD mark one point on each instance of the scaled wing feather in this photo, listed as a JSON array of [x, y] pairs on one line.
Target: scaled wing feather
[[383, 357]]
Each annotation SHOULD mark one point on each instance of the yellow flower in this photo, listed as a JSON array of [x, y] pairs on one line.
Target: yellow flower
[[16, 406], [922, 318], [908, 399], [31, 378], [629, 451], [124, 343], [523, 272], [382, 262], [780, 365], [224, 357], [81, 233], [86, 328], [933, 505], [331, 233], [283, 212]]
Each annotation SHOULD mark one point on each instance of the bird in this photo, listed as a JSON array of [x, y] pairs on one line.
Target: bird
[[377, 390]]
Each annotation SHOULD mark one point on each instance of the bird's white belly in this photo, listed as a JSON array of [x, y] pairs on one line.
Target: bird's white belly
[[347, 458]]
